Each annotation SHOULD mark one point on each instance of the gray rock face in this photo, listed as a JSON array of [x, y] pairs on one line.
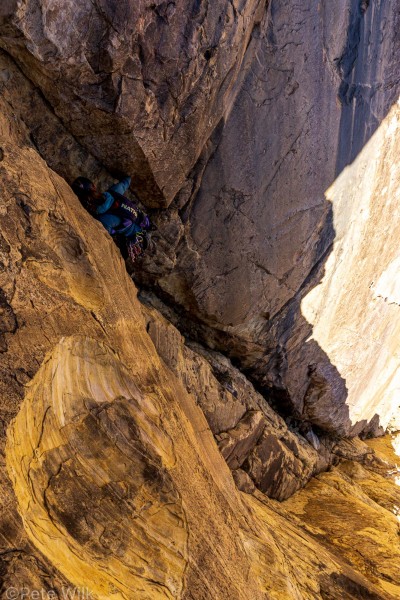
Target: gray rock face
[[260, 225], [141, 85]]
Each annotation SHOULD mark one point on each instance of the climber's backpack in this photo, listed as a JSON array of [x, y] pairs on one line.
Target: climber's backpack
[[124, 208]]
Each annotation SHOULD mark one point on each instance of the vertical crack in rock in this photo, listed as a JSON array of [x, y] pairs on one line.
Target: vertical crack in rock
[[8, 321]]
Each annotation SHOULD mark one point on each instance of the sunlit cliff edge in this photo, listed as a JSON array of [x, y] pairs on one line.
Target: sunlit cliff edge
[[198, 441]]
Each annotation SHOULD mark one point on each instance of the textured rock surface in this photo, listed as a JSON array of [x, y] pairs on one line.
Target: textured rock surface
[[115, 482], [141, 85], [87, 456], [250, 435], [261, 229], [105, 437], [244, 115], [374, 499], [362, 342], [53, 254]]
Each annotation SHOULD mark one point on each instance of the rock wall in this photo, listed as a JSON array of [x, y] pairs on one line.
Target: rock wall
[[112, 483], [141, 85], [263, 137], [256, 443], [290, 181], [101, 437], [240, 117]]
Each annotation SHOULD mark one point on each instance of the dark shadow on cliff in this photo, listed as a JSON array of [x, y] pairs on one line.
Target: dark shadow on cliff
[[369, 86]]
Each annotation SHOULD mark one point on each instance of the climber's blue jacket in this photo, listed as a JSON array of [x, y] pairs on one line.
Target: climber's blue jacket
[[117, 213]]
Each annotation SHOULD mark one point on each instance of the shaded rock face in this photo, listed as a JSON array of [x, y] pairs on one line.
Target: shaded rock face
[[261, 224], [141, 85]]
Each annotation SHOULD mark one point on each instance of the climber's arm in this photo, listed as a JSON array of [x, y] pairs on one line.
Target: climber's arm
[[121, 186], [107, 204]]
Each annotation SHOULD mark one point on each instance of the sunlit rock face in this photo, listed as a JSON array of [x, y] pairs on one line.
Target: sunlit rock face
[[266, 135], [367, 484], [90, 465], [112, 482], [96, 494], [355, 308]]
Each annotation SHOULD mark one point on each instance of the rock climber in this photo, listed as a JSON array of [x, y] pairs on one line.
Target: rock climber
[[120, 216]]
